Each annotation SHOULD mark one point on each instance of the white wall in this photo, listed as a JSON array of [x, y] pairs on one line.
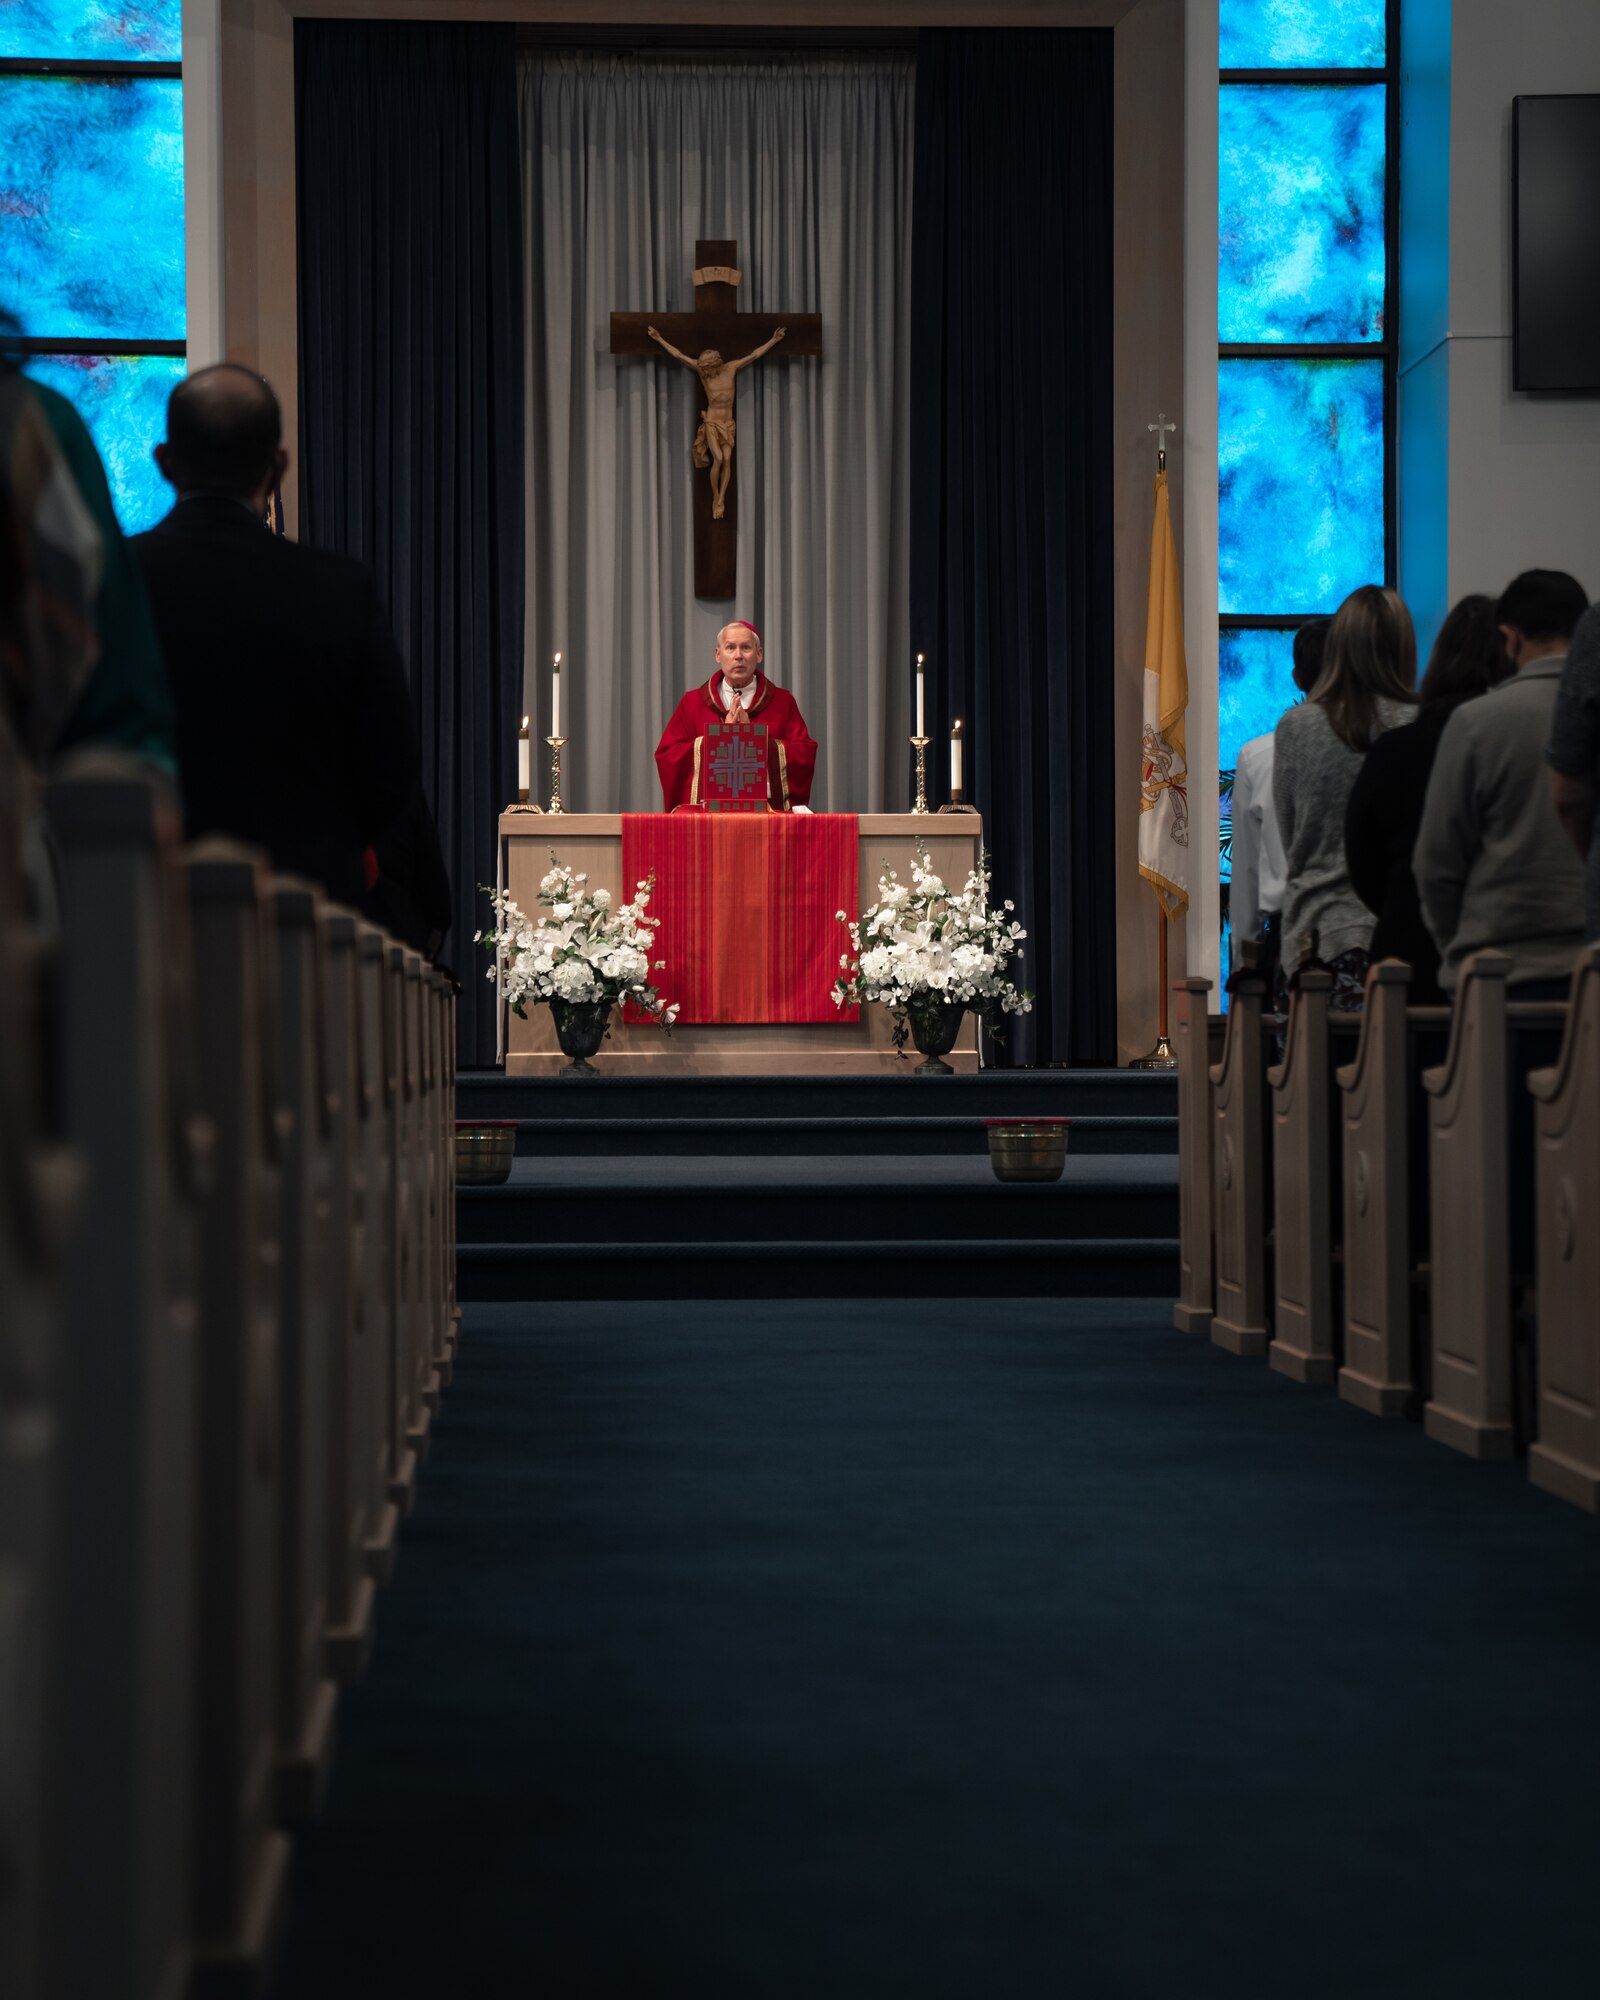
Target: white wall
[[1517, 470]]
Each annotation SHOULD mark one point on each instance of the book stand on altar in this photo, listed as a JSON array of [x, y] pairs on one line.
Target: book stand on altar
[[738, 768]]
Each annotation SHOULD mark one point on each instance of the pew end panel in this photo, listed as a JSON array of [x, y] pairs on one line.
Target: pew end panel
[[1377, 1374], [1240, 1153], [117, 1850], [1469, 1250], [1565, 1458], [1302, 1345], [354, 1385], [1482, 1213], [312, 1293], [241, 1860], [1192, 1312]]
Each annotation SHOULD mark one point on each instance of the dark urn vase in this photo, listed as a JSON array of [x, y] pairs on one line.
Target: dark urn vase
[[934, 1025], [580, 1029]]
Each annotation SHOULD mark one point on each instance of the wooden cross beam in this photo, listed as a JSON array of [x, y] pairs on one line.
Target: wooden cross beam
[[716, 340]]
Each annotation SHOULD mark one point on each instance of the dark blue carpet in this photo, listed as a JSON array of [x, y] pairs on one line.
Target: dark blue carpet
[[954, 1650]]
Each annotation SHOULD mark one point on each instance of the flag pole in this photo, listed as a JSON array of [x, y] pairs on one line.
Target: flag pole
[[1161, 1056]]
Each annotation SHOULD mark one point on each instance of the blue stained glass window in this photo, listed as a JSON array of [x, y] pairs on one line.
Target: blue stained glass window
[[1254, 687], [1301, 175], [1303, 34], [123, 400], [91, 187], [92, 30], [1300, 485]]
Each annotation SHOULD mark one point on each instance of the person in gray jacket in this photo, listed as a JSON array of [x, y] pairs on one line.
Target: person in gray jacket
[[1493, 866], [1367, 685]]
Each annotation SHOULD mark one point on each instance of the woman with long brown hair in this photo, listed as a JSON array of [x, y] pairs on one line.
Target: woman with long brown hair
[[1385, 810], [1367, 686]]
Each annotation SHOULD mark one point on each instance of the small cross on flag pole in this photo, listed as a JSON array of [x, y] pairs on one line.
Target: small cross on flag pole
[[1161, 427]]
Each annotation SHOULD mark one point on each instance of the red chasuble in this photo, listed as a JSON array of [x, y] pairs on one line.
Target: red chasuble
[[676, 753]]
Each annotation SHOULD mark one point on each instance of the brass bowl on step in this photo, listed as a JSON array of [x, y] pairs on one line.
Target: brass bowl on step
[[484, 1151], [1028, 1149]]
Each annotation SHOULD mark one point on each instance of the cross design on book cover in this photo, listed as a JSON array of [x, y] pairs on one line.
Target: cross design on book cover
[[736, 762]]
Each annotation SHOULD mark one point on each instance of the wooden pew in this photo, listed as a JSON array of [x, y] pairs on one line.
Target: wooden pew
[[37, 1193], [241, 1859], [1303, 1344], [313, 1288], [357, 1490], [1565, 1459], [441, 1144], [447, 1120], [409, 1184], [1385, 1178], [118, 1743], [1481, 1203], [380, 1044], [1240, 1151], [1192, 1043]]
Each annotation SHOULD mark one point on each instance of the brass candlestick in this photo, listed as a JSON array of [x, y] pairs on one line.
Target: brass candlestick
[[557, 745], [920, 745]]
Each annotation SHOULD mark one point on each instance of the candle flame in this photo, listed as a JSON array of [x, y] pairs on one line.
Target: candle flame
[[558, 659], [524, 725], [955, 727], [919, 662]]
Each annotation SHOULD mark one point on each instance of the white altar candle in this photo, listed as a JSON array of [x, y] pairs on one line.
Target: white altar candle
[[955, 762], [523, 773], [555, 698], [921, 731]]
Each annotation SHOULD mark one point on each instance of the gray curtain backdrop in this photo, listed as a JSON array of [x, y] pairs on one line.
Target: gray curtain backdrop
[[808, 164]]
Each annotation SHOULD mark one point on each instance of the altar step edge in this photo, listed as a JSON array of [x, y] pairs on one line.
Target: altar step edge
[[883, 1267]]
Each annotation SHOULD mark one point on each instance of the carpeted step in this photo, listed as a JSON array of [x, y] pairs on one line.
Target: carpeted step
[[778, 1269], [602, 1202], [813, 1138], [1059, 1093]]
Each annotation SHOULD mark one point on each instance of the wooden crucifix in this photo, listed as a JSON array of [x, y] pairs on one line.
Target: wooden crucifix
[[716, 340]]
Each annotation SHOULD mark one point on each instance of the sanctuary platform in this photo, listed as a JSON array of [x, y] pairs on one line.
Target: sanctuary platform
[[654, 1188]]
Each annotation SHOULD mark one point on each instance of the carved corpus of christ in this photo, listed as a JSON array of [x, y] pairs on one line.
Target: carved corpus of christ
[[701, 340]]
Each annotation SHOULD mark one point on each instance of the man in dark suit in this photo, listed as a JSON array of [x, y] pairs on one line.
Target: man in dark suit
[[294, 721]]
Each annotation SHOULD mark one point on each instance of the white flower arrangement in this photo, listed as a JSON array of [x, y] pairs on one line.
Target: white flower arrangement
[[927, 943], [583, 953]]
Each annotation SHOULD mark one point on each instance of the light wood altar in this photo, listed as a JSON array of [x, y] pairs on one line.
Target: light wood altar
[[593, 842]]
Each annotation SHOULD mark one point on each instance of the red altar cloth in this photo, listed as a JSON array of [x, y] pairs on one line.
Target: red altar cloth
[[746, 907]]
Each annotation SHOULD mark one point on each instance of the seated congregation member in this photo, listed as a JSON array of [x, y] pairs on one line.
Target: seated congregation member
[[1385, 810], [736, 691], [1492, 863], [121, 700], [1574, 758], [1255, 900], [1366, 687], [295, 728]]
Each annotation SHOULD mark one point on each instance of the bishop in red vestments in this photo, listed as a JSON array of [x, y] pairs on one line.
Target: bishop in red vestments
[[738, 687]]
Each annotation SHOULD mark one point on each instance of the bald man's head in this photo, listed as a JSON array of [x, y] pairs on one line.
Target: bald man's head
[[223, 433]]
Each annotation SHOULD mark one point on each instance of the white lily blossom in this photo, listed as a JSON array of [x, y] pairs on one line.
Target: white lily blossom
[[584, 952], [923, 939]]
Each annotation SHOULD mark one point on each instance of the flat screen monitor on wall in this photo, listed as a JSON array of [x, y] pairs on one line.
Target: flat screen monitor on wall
[[1555, 208]]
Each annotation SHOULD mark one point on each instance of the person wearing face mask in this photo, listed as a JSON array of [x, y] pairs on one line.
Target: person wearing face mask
[[737, 692]]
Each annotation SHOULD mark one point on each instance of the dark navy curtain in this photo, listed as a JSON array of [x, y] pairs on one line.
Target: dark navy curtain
[[1011, 555], [411, 396]]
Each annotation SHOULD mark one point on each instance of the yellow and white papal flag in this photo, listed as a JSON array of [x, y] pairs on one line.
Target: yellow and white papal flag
[[1164, 768]]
